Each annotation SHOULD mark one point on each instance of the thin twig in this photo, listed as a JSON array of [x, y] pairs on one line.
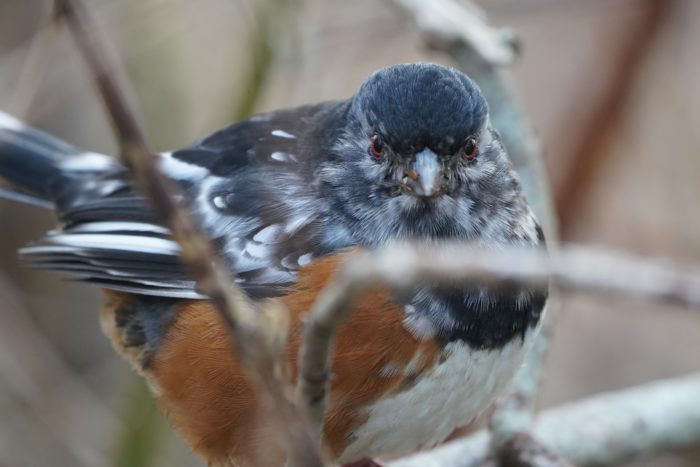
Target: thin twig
[[255, 337], [605, 429], [400, 266]]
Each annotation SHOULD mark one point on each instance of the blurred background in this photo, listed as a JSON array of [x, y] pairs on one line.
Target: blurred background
[[610, 86]]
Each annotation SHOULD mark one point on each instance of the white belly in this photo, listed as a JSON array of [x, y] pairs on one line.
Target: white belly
[[449, 396]]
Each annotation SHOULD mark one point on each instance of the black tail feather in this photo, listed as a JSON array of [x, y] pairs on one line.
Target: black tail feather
[[37, 167], [24, 198]]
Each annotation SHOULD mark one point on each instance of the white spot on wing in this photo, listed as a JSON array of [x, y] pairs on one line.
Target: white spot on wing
[[257, 250], [178, 169], [289, 261], [283, 157], [283, 134], [245, 263], [298, 222], [219, 202], [305, 259], [270, 234], [274, 276]]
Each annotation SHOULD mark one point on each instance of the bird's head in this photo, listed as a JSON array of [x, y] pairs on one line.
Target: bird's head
[[422, 125], [417, 157]]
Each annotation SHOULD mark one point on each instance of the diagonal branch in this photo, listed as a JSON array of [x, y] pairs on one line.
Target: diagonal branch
[[256, 335], [605, 429]]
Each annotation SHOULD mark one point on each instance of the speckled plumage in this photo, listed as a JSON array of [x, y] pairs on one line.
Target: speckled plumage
[[280, 192]]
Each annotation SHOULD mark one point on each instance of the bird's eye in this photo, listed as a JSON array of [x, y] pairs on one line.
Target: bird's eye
[[376, 146], [470, 148]]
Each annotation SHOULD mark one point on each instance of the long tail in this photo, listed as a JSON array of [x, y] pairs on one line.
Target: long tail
[[108, 235], [36, 166]]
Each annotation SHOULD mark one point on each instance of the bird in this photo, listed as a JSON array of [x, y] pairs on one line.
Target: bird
[[287, 197]]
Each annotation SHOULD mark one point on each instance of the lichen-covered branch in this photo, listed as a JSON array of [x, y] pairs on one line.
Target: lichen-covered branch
[[606, 429], [257, 335]]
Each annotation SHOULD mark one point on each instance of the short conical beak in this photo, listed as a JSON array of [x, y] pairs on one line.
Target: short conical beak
[[425, 178]]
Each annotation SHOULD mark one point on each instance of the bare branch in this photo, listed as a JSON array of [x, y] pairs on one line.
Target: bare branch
[[256, 335], [604, 430], [446, 24], [403, 265]]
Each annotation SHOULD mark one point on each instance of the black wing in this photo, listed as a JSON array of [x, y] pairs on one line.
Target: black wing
[[251, 184]]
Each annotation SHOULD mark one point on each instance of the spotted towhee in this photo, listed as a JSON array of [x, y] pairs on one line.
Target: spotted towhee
[[286, 196]]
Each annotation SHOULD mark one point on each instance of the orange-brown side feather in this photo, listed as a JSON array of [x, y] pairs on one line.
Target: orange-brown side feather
[[201, 385]]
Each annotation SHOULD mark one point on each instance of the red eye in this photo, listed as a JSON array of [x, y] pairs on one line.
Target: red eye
[[376, 146], [470, 148]]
